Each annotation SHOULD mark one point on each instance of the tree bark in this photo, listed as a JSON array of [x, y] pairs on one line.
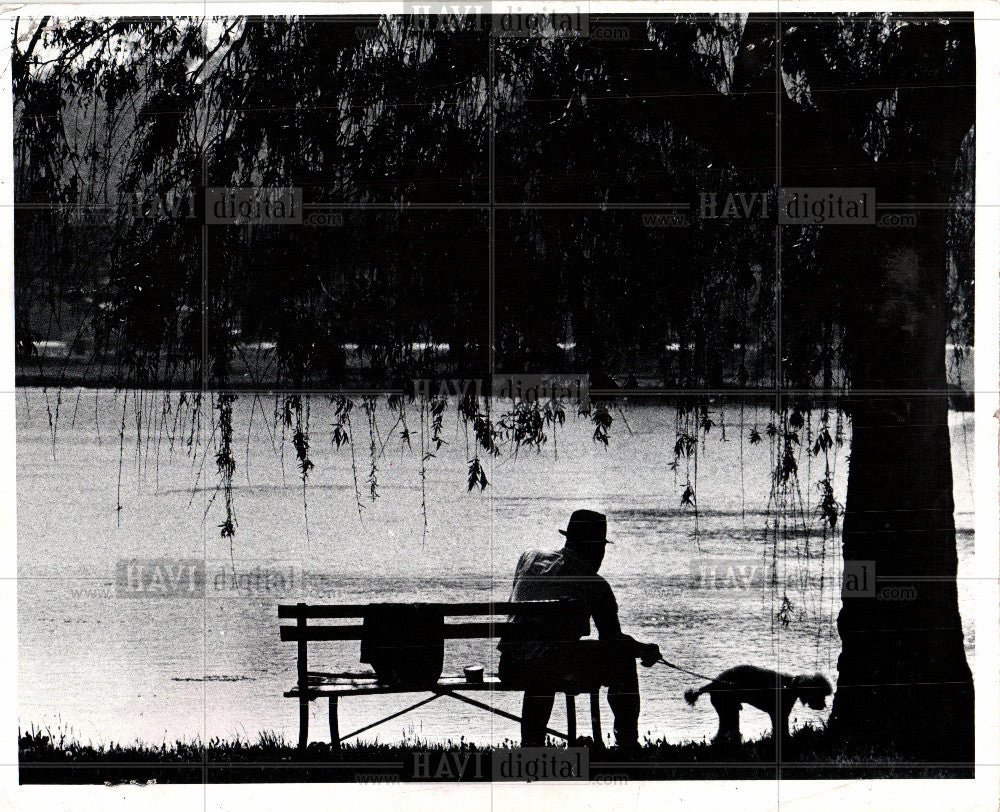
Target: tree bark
[[904, 681]]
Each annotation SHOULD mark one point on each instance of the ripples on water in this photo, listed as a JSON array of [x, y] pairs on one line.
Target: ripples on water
[[160, 669]]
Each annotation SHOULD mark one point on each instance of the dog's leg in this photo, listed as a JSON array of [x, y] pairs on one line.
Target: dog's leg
[[729, 718], [779, 724], [786, 711], [779, 720]]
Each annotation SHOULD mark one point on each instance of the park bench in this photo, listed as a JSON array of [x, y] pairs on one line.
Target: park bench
[[491, 623]]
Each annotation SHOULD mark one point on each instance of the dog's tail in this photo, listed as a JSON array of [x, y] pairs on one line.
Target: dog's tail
[[691, 695]]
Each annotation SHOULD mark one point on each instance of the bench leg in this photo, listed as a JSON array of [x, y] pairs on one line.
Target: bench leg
[[468, 700], [571, 718], [303, 722], [334, 724], [595, 715]]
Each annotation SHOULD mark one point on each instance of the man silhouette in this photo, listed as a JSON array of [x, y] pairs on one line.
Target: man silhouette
[[543, 657]]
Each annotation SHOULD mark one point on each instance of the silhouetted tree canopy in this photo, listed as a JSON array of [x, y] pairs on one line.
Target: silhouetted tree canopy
[[398, 111]]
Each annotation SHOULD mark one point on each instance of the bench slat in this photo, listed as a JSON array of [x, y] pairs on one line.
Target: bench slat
[[466, 631], [444, 685], [452, 631], [290, 633], [343, 610], [374, 687]]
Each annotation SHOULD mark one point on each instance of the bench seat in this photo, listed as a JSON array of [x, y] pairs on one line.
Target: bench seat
[[329, 684]]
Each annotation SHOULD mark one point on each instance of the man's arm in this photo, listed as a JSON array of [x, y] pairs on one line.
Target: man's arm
[[605, 614], [604, 610]]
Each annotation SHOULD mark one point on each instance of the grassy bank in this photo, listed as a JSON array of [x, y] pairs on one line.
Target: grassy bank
[[48, 757]]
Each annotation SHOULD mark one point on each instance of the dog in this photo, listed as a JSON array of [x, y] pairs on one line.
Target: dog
[[770, 691]]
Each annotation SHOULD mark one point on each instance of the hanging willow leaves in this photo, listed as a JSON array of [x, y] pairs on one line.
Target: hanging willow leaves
[[477, 476], [225, 462], [340, 435], [829, 508], [688, 497], [602, 420], [296, 417], [784, 614], [370, 405]]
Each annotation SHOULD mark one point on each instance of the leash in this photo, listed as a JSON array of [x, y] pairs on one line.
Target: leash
[[689, 671]]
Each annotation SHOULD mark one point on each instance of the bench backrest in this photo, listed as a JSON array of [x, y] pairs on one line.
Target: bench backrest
[[302, 613]]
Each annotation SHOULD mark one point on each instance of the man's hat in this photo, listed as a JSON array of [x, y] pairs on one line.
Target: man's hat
[[587, 525]]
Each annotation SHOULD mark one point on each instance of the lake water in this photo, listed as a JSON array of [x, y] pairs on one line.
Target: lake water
[[111, 668]]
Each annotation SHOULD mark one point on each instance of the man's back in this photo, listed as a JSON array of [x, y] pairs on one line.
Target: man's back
[[556, 575]]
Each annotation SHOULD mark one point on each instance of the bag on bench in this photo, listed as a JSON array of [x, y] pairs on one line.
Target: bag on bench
[[404, 643]]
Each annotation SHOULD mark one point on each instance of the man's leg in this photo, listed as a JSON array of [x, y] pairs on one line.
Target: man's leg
[[536, 707], [615, 667], [623, 697], [535, 712]]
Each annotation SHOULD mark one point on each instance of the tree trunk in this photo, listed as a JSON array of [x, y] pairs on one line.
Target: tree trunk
[[903, 676], [904, 682]]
